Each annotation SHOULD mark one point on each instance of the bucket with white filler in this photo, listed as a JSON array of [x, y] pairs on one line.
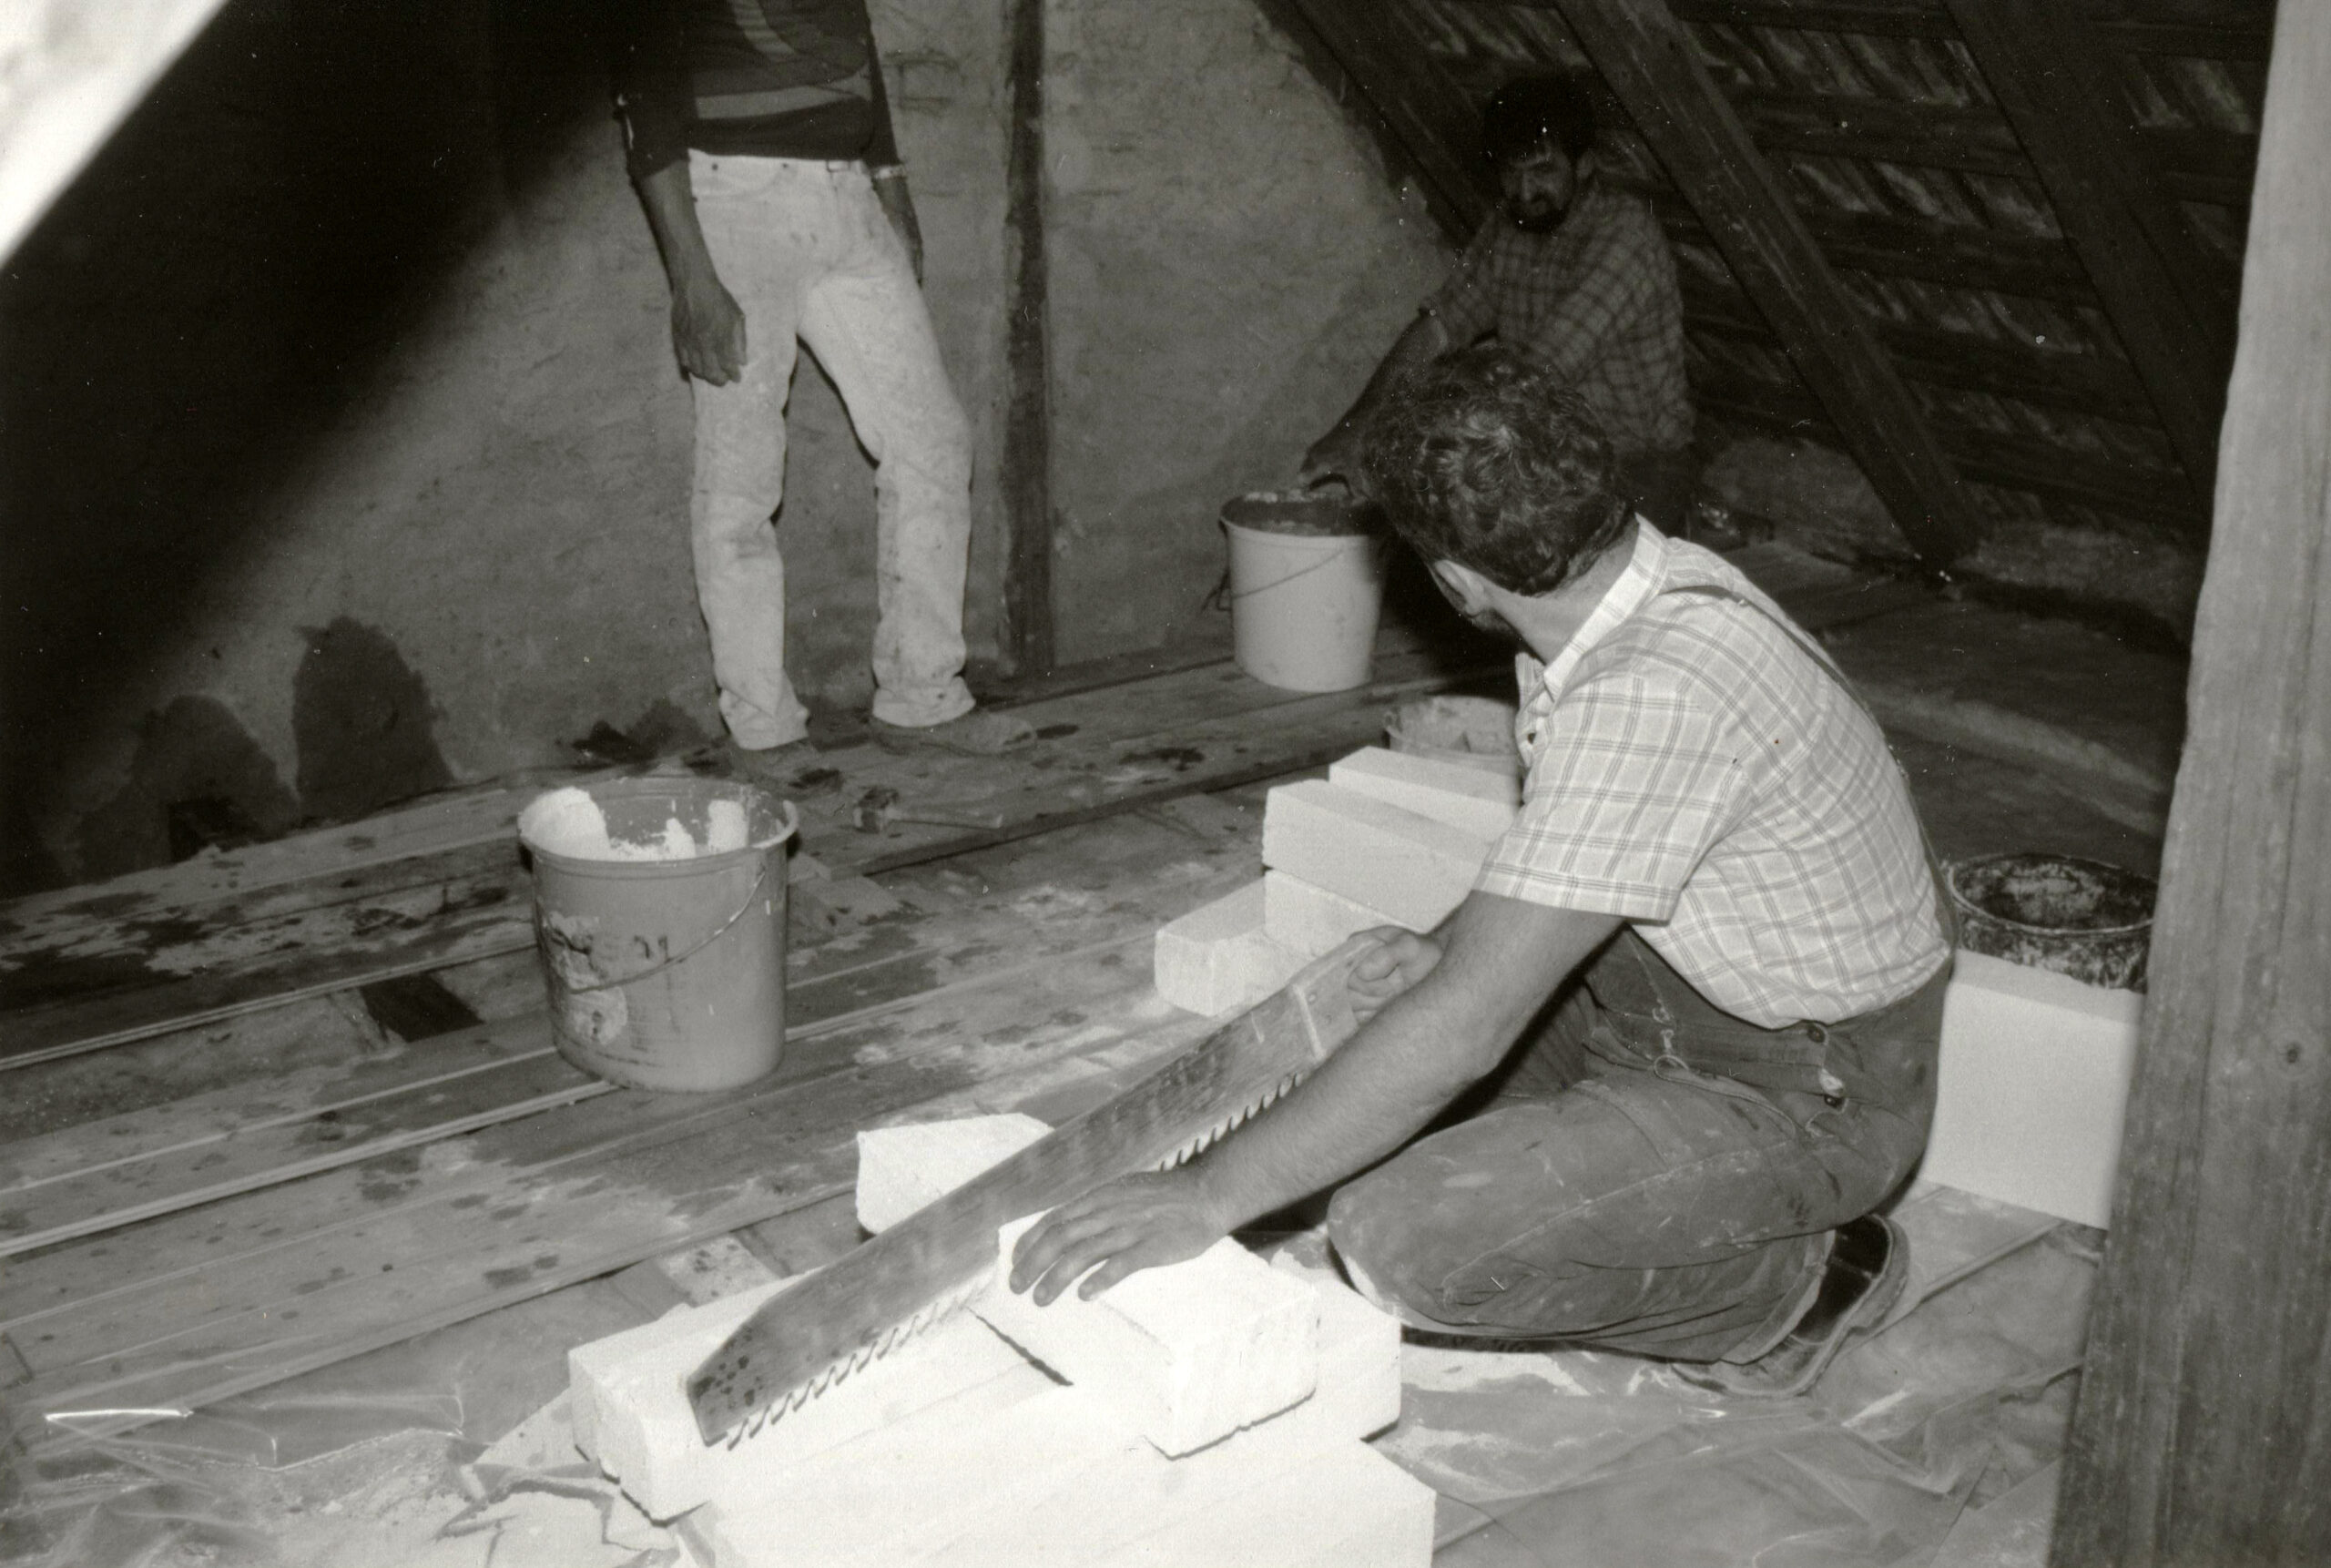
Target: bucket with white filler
[[1307, 585], [660, 917]]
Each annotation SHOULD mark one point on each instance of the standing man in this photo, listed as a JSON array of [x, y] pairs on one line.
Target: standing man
[[1680, 1040], [759, 136], [1575, 275]]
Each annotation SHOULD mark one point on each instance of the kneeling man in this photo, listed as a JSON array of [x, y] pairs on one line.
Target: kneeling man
[[1679, 1042]]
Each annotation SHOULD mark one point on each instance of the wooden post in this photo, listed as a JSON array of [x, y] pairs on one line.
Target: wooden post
[[2203, 1432], [2041, 66], [1641, 50], [1027, 415]]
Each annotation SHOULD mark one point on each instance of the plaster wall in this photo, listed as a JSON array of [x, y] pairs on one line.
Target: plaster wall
[[1228, 260], [344, 453]]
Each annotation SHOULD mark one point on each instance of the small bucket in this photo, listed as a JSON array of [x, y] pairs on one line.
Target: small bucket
[[2079, 918], [659, 915], [1303, 603]]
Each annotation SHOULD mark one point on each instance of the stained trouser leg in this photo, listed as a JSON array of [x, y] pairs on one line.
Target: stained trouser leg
[[1679, 1216], [757, 248], [867, 322]]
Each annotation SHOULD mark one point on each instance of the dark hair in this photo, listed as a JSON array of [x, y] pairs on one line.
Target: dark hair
[[1485, 460], [1532, 112]]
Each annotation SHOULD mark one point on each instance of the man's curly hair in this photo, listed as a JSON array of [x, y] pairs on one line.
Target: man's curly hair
[[1485, 460]]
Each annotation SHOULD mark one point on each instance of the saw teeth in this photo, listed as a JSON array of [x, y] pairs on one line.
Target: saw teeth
[[947, 1302]]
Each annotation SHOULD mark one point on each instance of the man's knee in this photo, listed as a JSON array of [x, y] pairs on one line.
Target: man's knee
[[1383, 1230]]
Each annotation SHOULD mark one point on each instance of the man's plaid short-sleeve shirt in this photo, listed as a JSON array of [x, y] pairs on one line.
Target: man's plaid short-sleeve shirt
[[1695, 770], [1595, 302]]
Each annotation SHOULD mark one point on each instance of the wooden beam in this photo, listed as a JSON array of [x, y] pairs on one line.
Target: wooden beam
[[2157, 290], [1027, 414], [1429, 112], [1890, 130], [1892, 18], [1641, 52], [2203, 1423]]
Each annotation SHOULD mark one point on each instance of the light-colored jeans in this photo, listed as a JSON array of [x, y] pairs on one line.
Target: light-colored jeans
[[808, 252]]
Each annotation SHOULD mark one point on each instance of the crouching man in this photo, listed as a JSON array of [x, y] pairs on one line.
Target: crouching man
[[1645, 1088]]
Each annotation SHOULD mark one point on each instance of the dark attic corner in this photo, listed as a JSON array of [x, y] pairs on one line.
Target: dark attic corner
[[672, 665]]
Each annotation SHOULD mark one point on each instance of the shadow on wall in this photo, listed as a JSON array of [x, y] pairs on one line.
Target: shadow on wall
[[198, 311]]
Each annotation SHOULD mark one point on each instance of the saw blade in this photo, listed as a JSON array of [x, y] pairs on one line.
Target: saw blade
[[893, 1288]]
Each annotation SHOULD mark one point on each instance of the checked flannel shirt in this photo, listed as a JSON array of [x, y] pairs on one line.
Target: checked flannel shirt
[[1595, 302], [1696, 771]]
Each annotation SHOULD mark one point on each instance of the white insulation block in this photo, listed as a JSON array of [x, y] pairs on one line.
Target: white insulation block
[[1482, 804], [1386, 857], [2034, 1083], [1347, 1507], [1185, 1354], [1311, 920], [883, 1499], [1359, 1391], [900, 1169], [1218, 957], [630, 1408]]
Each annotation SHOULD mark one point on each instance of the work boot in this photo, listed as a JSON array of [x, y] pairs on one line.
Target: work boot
[[1869, 1263]]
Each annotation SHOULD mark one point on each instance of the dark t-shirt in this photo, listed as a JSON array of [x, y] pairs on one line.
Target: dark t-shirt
[[765, 78]]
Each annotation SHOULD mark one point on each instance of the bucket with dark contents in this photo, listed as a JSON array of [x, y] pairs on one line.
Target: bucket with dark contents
[[2080, 918], [659, 916]]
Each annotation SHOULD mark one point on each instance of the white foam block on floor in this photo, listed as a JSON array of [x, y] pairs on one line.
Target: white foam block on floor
[[883, 1499], [1358, 1392], [1218, 957], [1482, 804], [2034, 1084], [1129, 1499], [628, 1399], [1311, 920], [900, 1169], [1386, 857], [1185, 1354], [1346, 1507]]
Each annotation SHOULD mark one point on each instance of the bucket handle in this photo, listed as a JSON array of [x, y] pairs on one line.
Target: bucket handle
[[679, 958], [792, 823]]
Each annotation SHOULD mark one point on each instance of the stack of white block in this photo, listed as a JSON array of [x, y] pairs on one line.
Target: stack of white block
[[1212, 1413], [1387, 838]]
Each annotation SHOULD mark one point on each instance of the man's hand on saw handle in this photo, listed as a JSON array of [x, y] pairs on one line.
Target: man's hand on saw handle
[[1401, 958]]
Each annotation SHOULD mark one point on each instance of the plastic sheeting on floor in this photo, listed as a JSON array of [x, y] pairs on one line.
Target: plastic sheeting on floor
[[1542, 1460]]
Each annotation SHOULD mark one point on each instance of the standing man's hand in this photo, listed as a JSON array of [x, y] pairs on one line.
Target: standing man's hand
[[897, 205], [707, 329]]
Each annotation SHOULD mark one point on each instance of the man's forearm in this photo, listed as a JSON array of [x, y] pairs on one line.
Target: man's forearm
[[670, 203], [1427, 1046], [1423, 341]]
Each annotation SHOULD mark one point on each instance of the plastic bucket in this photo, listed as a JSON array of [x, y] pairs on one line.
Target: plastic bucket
[[1303, 606], [663, 939]]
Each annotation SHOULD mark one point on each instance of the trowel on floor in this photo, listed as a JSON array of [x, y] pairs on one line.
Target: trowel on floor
[[893, 1288]]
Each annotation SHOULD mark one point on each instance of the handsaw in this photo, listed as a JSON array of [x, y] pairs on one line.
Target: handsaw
[[807, 1339]]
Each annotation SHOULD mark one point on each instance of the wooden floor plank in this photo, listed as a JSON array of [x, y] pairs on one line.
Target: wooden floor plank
[[483, 1224], [1189, 731], [104, 1175]]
